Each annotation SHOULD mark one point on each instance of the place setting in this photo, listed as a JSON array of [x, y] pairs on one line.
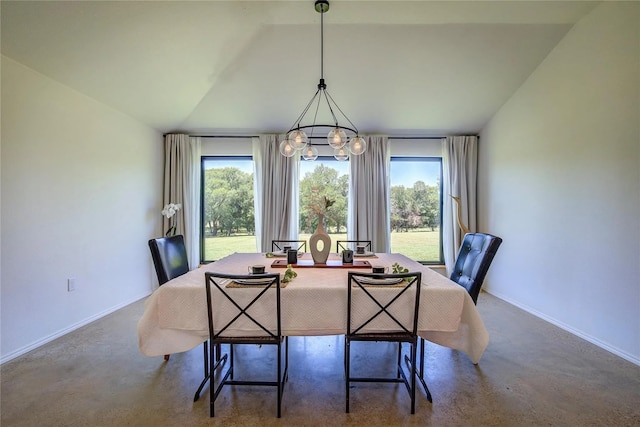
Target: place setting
[[361, 252], [260, 270], [285, 252], [382, 281]]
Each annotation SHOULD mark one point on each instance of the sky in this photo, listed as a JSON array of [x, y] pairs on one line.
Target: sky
[[402, 172]]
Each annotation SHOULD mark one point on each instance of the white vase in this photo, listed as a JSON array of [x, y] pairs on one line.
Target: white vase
[[320, 238]]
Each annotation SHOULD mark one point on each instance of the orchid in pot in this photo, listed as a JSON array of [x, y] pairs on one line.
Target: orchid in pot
[[169, 211]]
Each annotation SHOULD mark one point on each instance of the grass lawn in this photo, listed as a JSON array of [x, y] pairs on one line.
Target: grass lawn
[[420, 245]]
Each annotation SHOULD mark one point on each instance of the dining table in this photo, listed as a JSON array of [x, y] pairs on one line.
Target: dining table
[[314, 303]]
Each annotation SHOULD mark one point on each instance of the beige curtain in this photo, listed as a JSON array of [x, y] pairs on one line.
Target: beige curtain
[[460, 170], [369, 195], [276, 192], [182, 185]]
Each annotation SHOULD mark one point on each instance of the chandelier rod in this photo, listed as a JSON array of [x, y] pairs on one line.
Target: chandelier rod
[[297, 139], [322, 49]]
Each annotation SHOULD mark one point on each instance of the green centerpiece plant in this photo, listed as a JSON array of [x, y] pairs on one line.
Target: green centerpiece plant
[[289, 275]]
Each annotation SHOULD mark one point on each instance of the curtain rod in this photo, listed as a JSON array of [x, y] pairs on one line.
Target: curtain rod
[[311, 137]]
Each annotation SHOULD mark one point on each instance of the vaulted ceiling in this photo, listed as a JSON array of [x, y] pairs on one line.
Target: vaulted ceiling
[[229, 67]]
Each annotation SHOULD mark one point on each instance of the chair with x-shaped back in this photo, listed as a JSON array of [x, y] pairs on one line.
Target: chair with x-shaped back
[[384, 307], [252, 303], [278, 245], [353, 245]]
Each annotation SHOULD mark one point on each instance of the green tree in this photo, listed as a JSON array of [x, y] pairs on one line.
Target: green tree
[[415, 207], [400, 204], [431, 217], [322, 182], [425, 205], [228, 201]]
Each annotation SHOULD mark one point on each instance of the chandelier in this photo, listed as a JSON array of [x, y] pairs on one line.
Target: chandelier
[[344, 140]]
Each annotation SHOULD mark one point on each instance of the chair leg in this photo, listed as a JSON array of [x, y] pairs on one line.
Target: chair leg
[[420, 372], [421, 359], [205, 349], [279, 387], [347, 364], [212, 394], [231, 359], [207, 377], [210, 365], [413, 378], [286, 359]]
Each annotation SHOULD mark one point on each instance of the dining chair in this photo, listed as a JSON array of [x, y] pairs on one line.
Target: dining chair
[[254, 305], [351, 244], [278, 245], [169, 257], [170, 260], [383, 308], [472, 263]]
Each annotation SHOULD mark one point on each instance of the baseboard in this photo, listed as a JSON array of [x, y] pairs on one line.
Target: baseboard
[[631, 358], [67, 330]]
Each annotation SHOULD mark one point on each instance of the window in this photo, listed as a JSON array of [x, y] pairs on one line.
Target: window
[[324, 177], [416, 208], [227, 216]]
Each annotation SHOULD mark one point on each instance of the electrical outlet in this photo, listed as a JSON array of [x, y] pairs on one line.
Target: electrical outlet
[[71, 284]]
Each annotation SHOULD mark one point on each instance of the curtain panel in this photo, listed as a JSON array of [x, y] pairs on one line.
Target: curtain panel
[[369, 211], [460, 171], [275, 192], [182, 185]]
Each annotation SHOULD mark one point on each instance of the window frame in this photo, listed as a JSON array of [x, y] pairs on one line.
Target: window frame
[[244, 157], [203, 159], [322, 158], [423, 159]]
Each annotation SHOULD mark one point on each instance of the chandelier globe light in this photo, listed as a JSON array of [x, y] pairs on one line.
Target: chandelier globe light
[[337, 138], [341, 154], [345, 140], [357, 145], [298, 139], [309, 152], [286, 149]]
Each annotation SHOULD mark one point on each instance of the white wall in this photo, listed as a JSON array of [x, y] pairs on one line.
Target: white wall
[[81, 195], [560, 183], [414, 147]]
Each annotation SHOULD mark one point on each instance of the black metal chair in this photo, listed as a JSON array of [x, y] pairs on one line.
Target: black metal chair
[[351, 244], [278, 245], [374, 298], [262, 289], [170, 260], [472, 263]]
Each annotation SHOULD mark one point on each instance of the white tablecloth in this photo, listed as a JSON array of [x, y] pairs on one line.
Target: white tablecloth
[[314, 303]]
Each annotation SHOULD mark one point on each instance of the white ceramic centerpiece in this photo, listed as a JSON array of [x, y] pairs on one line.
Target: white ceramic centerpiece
[[320, 242], [317, 239]]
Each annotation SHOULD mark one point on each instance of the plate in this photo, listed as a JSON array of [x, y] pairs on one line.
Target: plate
[[365, 254], [256, 281], [371, 281]]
